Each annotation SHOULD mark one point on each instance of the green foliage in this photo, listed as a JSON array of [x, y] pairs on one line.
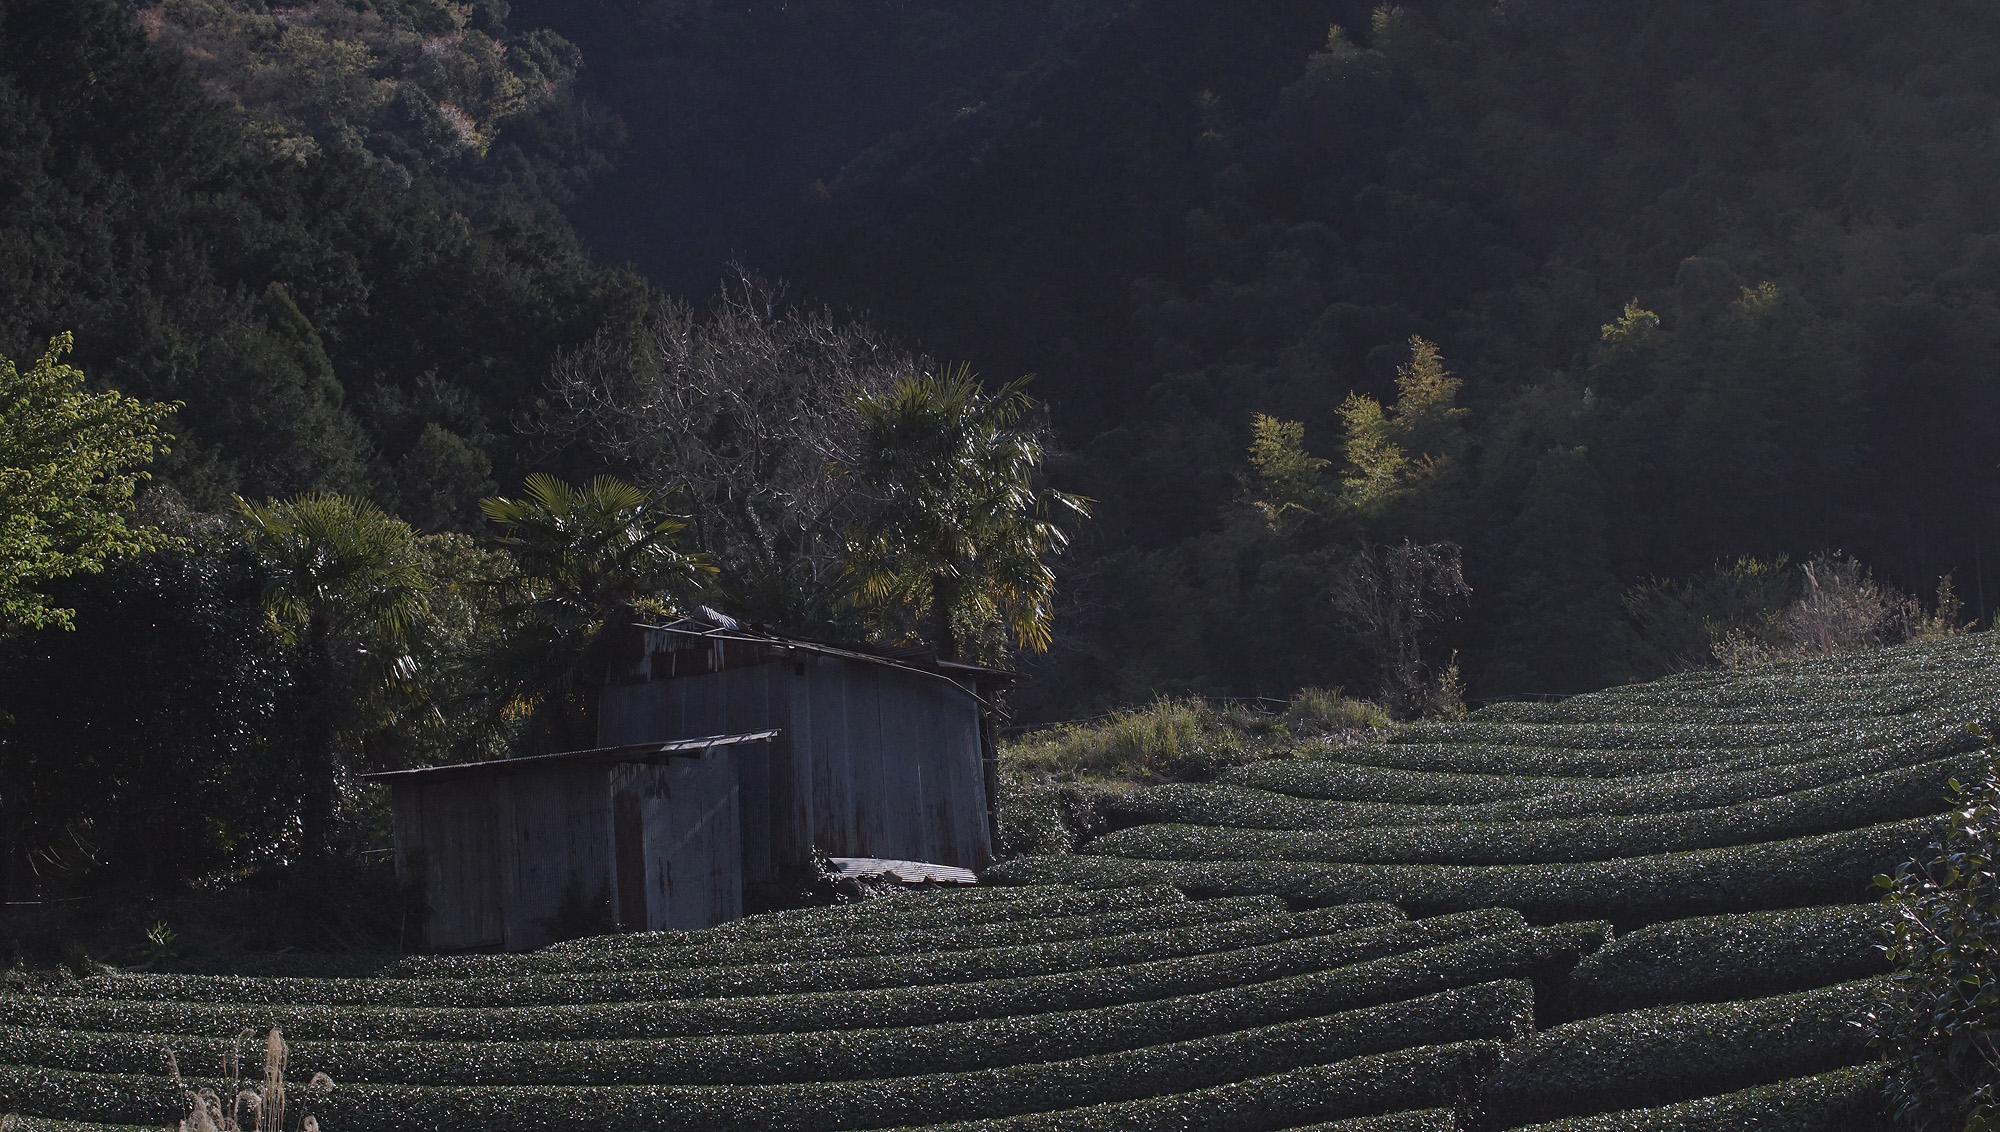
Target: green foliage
[[1719, 958], [1831, 1102], [961, 533], [593, 560], [1400, 451], [1663, 1055], [1220, 1018], [345, 587], [1432, 838], [1290, 487], [1823, 869], [70, 460], [1942, 1021]]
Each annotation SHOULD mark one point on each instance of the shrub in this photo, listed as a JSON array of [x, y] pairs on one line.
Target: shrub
[[804, 1056], [1493, 1010], [1426, 1120], [1867, 800], [1943, 1022], [728, 952], [1828, 869], [1668, 750], [1472, 797], [1404, 1079], [1845, 1100], [1317, 943], [1716, 958], [1673, 1053], [707, 982]]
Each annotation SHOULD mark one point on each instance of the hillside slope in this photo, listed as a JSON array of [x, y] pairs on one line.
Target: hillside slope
[[1643, 908]]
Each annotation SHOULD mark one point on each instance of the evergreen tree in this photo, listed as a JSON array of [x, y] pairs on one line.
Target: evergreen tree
[[1562, 626]]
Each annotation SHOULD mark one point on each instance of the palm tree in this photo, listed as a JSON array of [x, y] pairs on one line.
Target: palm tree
[[345, 587], [961, 532], [595, 559]]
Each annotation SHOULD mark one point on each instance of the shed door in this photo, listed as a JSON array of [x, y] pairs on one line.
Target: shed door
[[679, 843]]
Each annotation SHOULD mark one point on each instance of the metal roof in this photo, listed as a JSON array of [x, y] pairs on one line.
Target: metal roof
[[903, 659], [631, 753]]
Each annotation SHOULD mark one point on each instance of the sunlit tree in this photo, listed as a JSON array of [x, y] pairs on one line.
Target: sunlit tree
[[70, 460], [962, 530]]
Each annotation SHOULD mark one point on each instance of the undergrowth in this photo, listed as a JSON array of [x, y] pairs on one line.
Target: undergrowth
[[1053, 782]]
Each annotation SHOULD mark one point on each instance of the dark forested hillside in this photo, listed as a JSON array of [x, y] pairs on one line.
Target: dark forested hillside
[[1711, 282], [1216, 211], [326, 323]]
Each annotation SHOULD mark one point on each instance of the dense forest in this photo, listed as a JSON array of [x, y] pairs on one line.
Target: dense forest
[[1584, 328]]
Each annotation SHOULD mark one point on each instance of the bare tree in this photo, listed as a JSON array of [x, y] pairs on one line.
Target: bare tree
[[742, 411], [1392, 597]]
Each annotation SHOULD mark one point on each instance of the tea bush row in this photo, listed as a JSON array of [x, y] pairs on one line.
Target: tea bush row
[[1499, 1010], [852, 1054], [1718, 958], [947, 909], [1845, 1100], [1408, 1079], [1320, 940], [1469, 795], [1668, 1054], [1868, 800], [728, 982], [1632, 891], [1543, 760], [731, 952]]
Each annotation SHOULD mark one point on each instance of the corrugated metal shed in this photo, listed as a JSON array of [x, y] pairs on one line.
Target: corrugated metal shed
[[884, 756], [518, 853]]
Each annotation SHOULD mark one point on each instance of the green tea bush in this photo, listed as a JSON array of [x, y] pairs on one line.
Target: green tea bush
[[1316, 943], [965, 907], [1669, 1054], [1867, 800], [849, 1054], [1417, 1078], [1943, 1022], [1633, 891], [717, 982], [808, 1056], [1529, 757], [1494, 1010], [1845, 1100], [1494, 797], [1426, 1120], [1717, 958], [1005, 933]]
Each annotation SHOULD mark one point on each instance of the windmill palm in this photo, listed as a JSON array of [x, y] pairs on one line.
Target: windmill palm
[[595, 558], [961, 531], [345, 587]]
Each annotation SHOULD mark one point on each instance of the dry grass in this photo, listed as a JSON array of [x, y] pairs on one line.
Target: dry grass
[[1841, 607], [249, 1109], [1053, 781]]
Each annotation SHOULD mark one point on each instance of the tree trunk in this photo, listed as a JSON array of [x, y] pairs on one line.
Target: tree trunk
[[319, 796]]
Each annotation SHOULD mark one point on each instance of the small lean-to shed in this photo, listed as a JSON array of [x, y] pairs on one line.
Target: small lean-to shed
[[517, 853], [876, 755]]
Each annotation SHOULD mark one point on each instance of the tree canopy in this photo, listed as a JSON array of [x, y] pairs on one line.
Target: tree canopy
[[70, 460]]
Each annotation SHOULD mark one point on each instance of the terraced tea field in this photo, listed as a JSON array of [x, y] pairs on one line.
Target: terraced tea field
[[1641, 909]]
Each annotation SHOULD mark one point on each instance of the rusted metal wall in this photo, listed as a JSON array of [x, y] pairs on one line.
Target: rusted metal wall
[[516, 858], [687, 871], [511, 859], [871, 760]]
